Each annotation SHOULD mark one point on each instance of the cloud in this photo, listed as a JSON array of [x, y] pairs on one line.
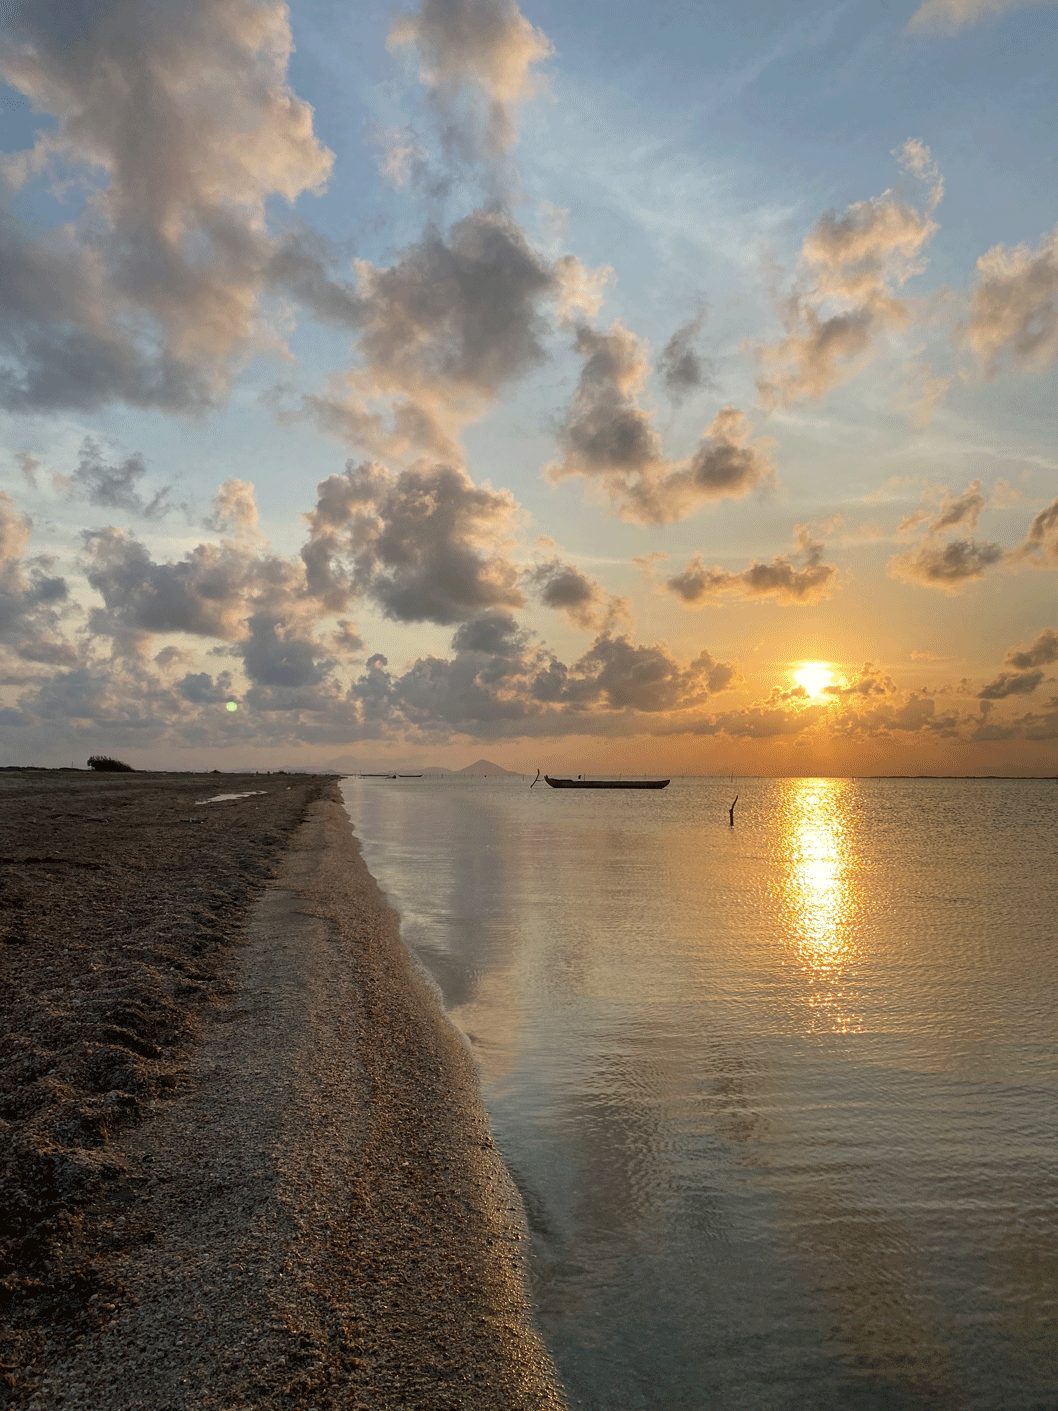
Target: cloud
[[921, 394], [425, 545], [563, 587], [1011, 683], [199, 688], [234, 592], [204, 594], [951, 15], [476, 61], [1042, 652], [948, 511], [649, 678], [278, 653], [606, 433], [444, 329], [851, 263], [869, 681], [346, 640], [948, 567], [31, 598], [608, 437], [235, 510], [683, 369], [112, 486], [403, 159], [1042, 537], [951, 566], [805, 581], [180, 121], [1033, 725], [1014, 307], [579, 291], [29, 466], [497, 682]]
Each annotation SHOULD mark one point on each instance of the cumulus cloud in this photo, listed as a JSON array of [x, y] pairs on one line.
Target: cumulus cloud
[[579, 290], [609, 438], [682, 368], [447, 326], [948, 567], [425, 545], [851, 264], [183, 120], [203, 594], [497, 682], [1011, 683], [235, 510], [565, 588], [647, 678], [1014, 307], [951, 15], [606, 433], [802, 579], [233, 592], [477, 61], [199, 688], [1042, 652], [1033, 725], [31, 598], [870, 680], [112, 486]]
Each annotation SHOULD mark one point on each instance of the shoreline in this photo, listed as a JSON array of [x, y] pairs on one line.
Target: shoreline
[[316, 1217]]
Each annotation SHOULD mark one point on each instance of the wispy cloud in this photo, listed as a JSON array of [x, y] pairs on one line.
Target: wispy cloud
[[951, 15], [851, 263], [1013, 311]]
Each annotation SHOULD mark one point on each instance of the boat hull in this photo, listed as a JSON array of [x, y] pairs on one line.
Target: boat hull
[[605, 783]]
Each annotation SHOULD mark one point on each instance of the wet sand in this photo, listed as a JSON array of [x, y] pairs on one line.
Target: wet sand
[[246, 1153]]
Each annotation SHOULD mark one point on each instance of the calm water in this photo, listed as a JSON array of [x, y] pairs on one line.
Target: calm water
[[782, 1100]]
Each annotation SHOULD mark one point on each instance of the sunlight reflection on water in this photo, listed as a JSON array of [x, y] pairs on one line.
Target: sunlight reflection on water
[[781, 1099], [820, 902]]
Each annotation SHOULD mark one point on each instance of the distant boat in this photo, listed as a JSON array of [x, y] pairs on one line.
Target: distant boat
[[409, 776], [605, 783]]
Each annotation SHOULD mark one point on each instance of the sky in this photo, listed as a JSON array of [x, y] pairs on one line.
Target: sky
[[584, 387]]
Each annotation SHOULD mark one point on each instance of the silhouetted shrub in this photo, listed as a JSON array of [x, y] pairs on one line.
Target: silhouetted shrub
[[101, 761]]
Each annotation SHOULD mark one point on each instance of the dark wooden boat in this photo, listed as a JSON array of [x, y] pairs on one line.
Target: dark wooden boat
[[605, 783]]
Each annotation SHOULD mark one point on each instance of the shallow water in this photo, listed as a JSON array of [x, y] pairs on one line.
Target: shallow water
[[782, 1099]]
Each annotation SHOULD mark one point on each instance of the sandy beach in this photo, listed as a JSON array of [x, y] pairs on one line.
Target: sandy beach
[[244, 1155]]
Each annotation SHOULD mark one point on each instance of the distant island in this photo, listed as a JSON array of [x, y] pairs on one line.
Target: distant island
[[479, 768]]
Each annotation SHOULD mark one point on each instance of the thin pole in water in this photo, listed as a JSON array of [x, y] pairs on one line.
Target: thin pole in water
[[731, 810]]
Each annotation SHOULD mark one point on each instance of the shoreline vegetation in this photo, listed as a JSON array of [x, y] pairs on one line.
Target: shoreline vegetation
[[244, 1157]]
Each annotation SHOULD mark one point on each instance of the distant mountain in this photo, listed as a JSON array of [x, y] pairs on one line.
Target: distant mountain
[[479, 769], [485, 766]]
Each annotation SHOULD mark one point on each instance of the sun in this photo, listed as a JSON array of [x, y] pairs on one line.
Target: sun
[[813, 676]]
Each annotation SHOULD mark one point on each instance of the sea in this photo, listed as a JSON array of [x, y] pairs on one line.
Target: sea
[[781, 1098]]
